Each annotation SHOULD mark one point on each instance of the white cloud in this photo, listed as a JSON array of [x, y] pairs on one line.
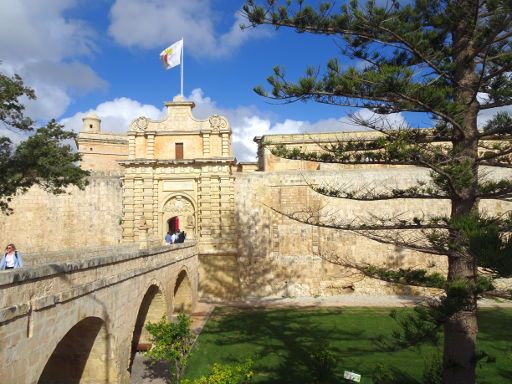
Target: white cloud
[[115, 115], [37, 30], [37, 41], [157, 23]]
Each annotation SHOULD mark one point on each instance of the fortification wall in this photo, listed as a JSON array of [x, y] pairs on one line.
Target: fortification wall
[[281, 257], [46, 222]]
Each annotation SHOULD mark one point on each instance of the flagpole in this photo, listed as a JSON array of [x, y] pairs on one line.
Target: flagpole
[[182, 65]]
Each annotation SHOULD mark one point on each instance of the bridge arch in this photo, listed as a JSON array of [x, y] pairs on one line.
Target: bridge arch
[[84, 354], [151, 309], [183, 294]]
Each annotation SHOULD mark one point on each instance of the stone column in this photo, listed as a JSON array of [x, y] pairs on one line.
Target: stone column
[[147, 199], [131, 145], [215, 213], [138, 200], [226, 142], [204, 208], [150, 146], [206, 144], [128, 210], [156, 226]]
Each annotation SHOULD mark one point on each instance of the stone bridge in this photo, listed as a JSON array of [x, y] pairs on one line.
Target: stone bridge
[[82, 321]]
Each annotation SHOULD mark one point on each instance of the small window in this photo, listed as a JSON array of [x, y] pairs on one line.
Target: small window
[[90, 126], [179, 151], [90, 149]]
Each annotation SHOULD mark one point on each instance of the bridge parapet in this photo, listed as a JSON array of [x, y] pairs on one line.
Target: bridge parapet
[[37, 287]]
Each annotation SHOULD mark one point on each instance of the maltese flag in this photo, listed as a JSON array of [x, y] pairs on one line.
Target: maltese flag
[[171, 56]]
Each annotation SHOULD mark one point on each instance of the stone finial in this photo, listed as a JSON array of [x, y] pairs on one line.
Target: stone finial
[[91, 123]]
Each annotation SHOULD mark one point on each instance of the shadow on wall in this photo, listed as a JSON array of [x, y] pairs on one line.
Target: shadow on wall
[[78, 356], [183, 295], [84, 354], [261, 270], [152, 308]]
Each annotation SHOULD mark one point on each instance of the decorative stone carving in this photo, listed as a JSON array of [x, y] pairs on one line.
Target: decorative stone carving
[[139, 125], [142, 223], [218, 123], [178, 204]]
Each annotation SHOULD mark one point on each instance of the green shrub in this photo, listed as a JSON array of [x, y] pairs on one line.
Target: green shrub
[[323, 361], [226, 374], [172, 343]]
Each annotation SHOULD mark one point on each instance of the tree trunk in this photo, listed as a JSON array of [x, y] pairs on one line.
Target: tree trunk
[[460, 330], [459, 358]]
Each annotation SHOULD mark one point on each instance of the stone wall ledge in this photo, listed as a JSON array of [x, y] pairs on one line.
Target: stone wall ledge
[[37, 304], [27, 274]]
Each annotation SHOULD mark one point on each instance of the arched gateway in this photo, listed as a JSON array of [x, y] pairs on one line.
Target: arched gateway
[[178, 213]]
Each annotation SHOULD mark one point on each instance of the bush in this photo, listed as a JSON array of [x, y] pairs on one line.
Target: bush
[[172, 343], [226, 374], [323, 361]]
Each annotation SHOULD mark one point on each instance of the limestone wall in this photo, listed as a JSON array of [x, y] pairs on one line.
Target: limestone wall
[[281, 257], [45, 222], [101, 151]]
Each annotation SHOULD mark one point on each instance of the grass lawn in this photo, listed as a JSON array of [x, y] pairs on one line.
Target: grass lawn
[[279, 341]]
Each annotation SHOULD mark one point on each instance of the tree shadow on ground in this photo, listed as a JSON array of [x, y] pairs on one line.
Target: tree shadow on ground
[[144, 371], [280, 342]]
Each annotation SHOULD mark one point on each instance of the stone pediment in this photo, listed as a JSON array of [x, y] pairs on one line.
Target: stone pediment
[[179, 119]]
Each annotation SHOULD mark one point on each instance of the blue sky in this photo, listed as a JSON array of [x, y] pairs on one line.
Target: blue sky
[[103, 56]]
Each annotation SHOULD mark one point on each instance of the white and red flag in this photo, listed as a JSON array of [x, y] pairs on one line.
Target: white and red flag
[[171, 56]]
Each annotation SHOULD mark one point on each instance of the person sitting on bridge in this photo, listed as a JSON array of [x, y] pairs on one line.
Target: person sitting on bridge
[[11, 258]]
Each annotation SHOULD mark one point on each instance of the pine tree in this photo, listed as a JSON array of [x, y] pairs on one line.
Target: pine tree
[[445, 58], [43, 158]]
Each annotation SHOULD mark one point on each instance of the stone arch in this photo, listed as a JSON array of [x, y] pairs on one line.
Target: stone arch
[[152, 308], [183, 294], [83, 355], [179, 205]]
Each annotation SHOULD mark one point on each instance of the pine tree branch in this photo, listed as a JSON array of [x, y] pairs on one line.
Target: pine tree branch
[[418, 53], [385, 233], [496, 104], [428, 108], [492, 75], [372, 193]]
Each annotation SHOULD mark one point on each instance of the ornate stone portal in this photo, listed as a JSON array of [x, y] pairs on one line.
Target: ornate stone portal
[[180, 169], [181, 207]]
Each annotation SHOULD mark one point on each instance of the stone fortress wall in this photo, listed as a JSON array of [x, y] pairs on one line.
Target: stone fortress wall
[[182, 170], [45, 222]]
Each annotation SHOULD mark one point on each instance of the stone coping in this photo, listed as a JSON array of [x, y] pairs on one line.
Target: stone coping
[[45, 270], [206, 160]]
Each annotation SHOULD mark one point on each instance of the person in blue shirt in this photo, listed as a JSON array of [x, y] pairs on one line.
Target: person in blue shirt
[[11, 258], [168, 238]]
